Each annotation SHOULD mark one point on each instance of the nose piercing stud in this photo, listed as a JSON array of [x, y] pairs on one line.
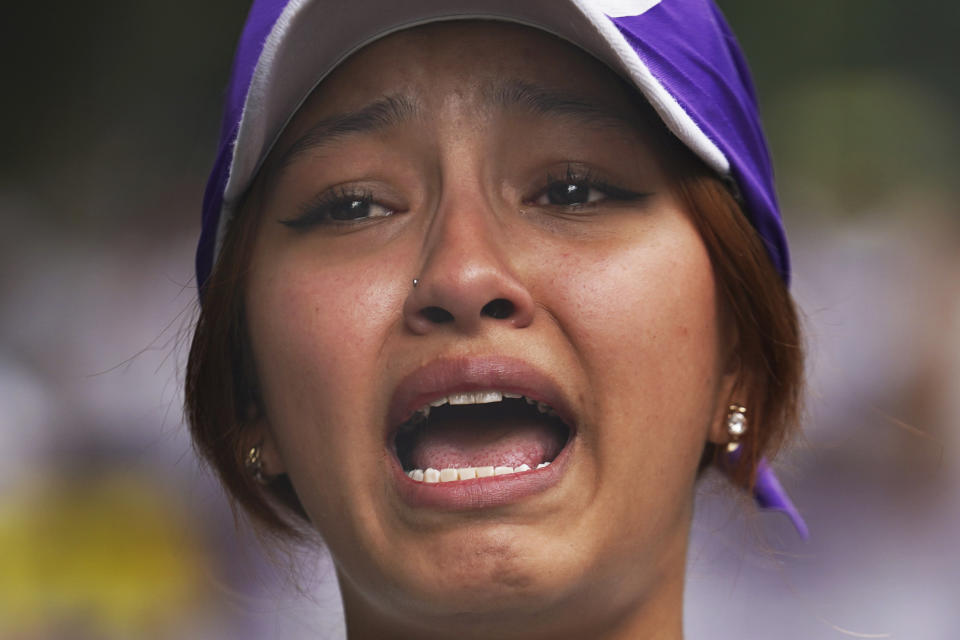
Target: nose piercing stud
[[416, 283]]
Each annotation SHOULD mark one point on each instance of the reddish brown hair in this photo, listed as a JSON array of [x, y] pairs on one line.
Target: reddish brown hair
[[221, 395], [769, 343]]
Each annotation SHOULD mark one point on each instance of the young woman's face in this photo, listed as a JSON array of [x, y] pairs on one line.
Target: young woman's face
[[477, 207]]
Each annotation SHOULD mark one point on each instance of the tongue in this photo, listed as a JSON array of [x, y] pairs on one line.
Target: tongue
[[476, 441]]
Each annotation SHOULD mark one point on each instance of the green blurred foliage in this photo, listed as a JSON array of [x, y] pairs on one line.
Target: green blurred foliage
[[787, 41], [865, 143], [859, 100]]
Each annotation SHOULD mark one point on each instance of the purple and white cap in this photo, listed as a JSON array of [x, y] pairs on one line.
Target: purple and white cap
[[680, 54]]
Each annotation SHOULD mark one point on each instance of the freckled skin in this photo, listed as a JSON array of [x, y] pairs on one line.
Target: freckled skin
[[617, 301]]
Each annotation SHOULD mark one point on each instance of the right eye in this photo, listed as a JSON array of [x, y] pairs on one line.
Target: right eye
[[570, 193], [341, 207], [581, 190]]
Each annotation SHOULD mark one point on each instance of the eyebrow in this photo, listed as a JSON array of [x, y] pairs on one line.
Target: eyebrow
[[544, 101], [396, 109], [376, 116]]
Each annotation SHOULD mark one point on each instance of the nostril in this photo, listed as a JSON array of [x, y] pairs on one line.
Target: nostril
[[437, 315], [500, 308]]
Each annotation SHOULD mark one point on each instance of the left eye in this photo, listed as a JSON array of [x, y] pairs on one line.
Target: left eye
[[569, 192], [340, 207], [579, 187], [355, 209]]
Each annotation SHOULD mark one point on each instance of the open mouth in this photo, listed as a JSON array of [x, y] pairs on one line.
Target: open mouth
[[477, 434]]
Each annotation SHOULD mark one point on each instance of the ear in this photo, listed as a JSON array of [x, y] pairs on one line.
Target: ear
[[734, 385], [731, 392]]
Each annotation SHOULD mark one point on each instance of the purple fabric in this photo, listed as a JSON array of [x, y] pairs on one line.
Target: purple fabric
[[263, 14], [689, 48], [769, 494]]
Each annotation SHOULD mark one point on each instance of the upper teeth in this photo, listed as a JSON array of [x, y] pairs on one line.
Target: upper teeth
[[473, 397], [477, 397], [431, 475]]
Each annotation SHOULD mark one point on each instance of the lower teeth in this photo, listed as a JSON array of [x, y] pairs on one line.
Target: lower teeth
[[432, 475]]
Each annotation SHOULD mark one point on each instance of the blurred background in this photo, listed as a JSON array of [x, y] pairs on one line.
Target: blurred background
[[110, 528]]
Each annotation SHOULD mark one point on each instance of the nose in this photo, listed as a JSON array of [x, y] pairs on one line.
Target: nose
[[467, 281]]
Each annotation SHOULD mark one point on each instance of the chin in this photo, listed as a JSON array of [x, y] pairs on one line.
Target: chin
[[502, 575], [491, 579]]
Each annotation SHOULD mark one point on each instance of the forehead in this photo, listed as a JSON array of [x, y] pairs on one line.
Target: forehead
[[466, 61]]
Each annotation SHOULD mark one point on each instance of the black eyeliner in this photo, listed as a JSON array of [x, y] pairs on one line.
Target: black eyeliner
[[318, 210], [587, 178]]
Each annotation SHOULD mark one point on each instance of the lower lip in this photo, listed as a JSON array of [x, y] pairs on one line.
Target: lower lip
[[479, 493]]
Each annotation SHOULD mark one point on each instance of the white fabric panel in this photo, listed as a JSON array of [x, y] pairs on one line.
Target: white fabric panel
[[620, 8]]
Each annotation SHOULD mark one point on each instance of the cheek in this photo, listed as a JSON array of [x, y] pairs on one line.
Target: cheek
[[298, 312], [644, 320], [317, 331], [650, 306]]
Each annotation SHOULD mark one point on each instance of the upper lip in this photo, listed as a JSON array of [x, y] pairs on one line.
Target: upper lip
[[443, 377]]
